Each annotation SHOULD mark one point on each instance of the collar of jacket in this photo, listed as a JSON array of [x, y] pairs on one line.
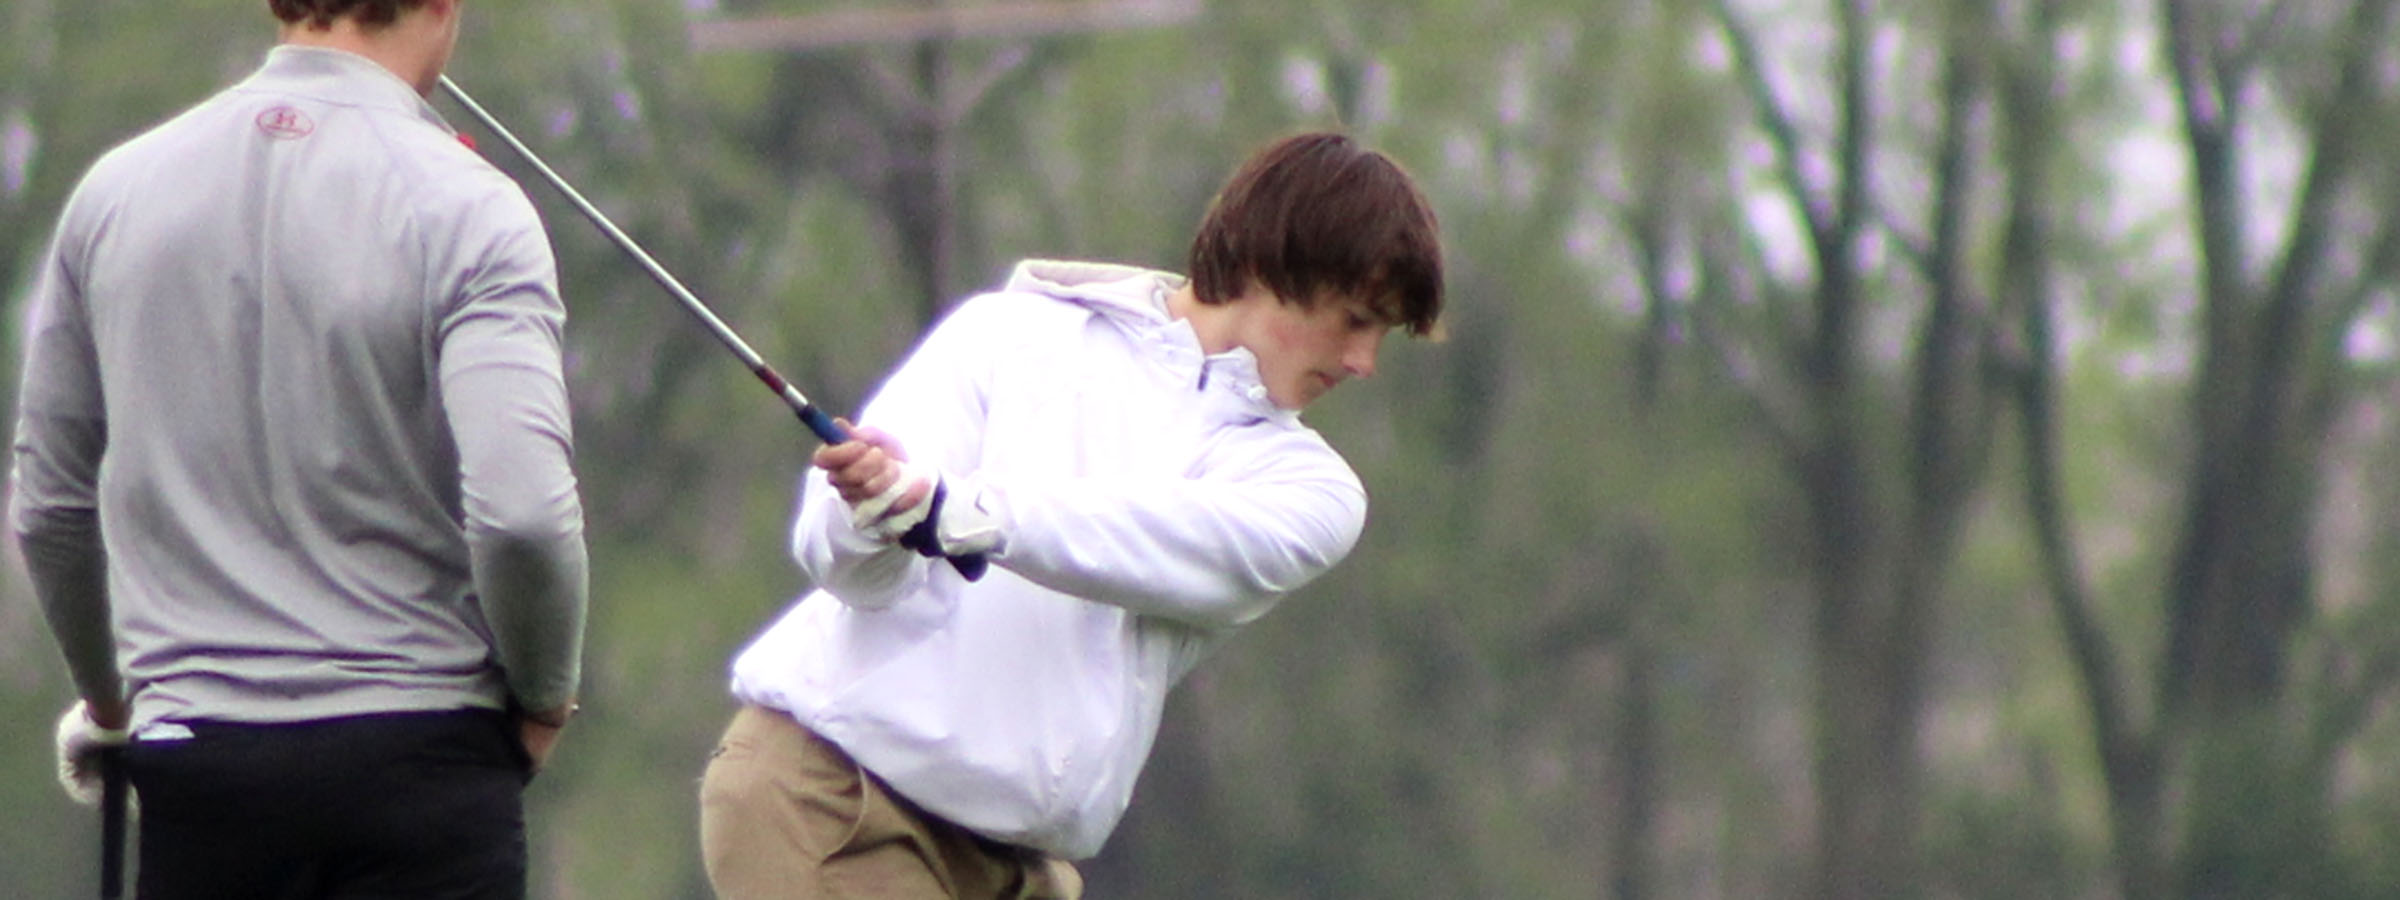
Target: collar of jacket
[[342, 78], [1135, 299]]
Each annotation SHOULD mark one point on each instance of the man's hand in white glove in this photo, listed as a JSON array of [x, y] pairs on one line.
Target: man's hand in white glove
[[80, 741], [894, 500], [887, 496]]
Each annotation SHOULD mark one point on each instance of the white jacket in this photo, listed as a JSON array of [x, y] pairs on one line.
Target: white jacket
[[1153, 500]]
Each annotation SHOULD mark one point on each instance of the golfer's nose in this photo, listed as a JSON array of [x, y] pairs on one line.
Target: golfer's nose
[[1359, 357]]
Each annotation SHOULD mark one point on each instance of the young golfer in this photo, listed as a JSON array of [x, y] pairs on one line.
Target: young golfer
[[1125, 446], [292, 478]]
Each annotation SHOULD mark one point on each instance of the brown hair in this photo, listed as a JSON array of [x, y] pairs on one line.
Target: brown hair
[[1314, 214], [323, 13]]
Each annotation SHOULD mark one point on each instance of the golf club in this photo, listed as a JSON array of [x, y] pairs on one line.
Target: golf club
[[970, 567], [112, 823]]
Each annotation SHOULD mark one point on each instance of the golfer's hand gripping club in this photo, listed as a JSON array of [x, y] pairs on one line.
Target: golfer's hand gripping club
[[970, 566], [907, 504]]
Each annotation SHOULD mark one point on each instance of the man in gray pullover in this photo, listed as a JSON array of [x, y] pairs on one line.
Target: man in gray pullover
[[292, 478]]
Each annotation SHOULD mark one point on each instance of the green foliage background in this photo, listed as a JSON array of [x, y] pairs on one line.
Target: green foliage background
[[1580, 650]]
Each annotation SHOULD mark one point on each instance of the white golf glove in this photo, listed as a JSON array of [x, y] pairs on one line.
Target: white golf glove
[[80, 741], [961, 525], [873, 516]]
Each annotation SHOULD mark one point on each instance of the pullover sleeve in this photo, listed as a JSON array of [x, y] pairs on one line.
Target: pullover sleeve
[[61, 433], [505, 395], [857, 570], [861, 571], [1214, 549], [934, 403], [1214, 552]]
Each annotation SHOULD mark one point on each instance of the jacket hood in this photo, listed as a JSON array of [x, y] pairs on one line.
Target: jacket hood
[[1124, 292], [1136, 299]]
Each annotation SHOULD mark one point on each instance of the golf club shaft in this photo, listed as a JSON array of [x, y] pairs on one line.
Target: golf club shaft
[[971, 567], [112, 823], [824, 426]]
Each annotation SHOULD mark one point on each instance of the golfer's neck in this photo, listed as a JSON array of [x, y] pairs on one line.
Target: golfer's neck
[[1213, 325], [407, 54]]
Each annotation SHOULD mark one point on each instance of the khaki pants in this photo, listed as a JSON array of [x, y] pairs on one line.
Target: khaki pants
[[786, 814]]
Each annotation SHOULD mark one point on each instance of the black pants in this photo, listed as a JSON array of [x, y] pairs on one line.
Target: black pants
[[415, 805]]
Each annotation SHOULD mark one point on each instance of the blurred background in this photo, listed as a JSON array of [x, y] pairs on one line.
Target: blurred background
[[1921, 448]]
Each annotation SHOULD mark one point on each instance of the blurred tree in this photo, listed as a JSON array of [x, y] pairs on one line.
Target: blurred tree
[[900, 102], [1885, 439], [2220, 790], [2272, 375]]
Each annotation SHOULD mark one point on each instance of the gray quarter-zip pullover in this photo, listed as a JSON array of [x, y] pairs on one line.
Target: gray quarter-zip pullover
[[292, 436]]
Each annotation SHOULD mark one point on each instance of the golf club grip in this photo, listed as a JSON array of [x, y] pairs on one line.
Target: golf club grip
[[823, 425], [112, 823]]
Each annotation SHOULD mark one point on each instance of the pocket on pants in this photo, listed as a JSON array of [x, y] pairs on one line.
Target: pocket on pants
[[788, 790]]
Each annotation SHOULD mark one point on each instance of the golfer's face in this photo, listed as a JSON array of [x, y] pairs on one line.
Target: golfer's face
[[1303, 353]]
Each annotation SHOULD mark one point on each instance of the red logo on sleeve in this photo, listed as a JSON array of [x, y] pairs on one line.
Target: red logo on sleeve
[[285, 123]]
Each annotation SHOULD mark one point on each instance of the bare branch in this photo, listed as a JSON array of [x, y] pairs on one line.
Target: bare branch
[[966, 97], [1780, 315], [2284, 333], [1717, 292], [1913, 247], [2025, 285], [2338, 133], [2345, 703], [2325, 392], [1711, 293], [1857, 122], [1939, 462], [1781, 426], [2246, 48], [1773, 116], [2208, 126], [896, 89]]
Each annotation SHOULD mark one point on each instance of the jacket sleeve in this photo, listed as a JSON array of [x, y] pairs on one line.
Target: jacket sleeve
[[505, 396], [1213, 551], [934, 403], [61, 433]]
